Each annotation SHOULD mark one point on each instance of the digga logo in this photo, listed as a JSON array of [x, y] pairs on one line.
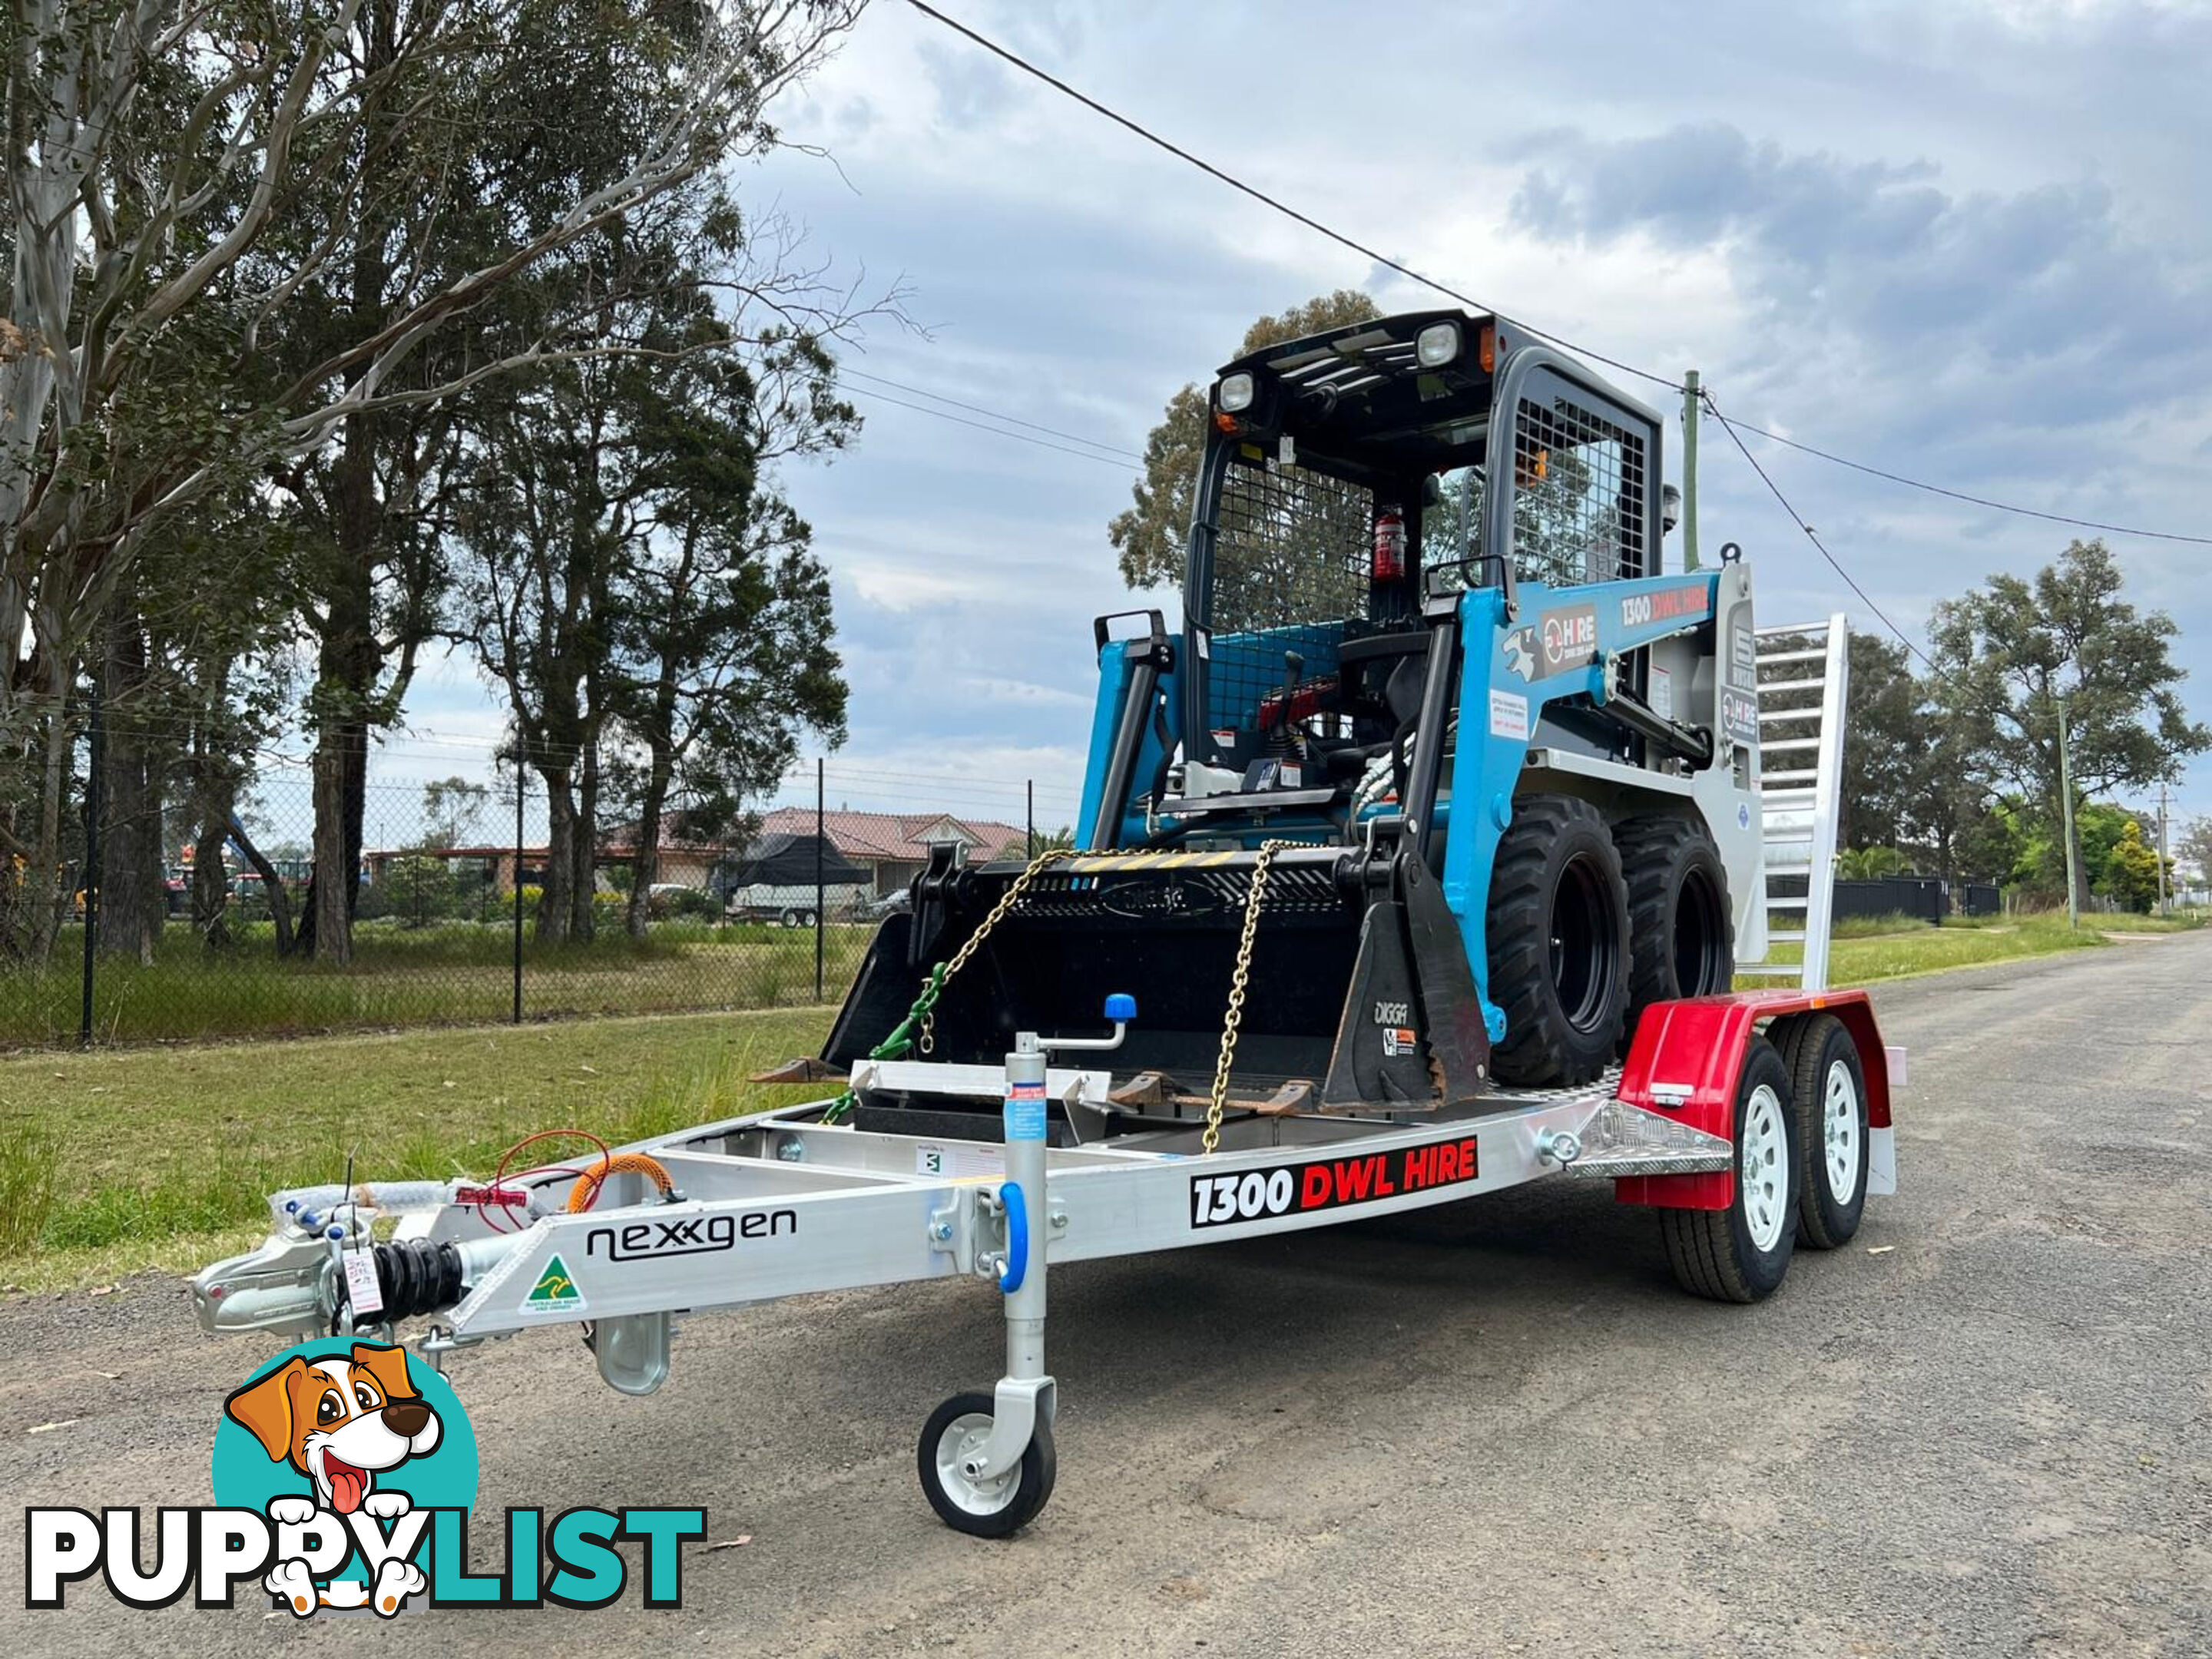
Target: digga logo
[[343, 1475]]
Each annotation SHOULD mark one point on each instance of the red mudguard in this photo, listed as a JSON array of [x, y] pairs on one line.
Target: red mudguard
[[1699, 1044]]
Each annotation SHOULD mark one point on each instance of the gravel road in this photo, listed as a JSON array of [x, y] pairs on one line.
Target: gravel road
[[1493, 1428]]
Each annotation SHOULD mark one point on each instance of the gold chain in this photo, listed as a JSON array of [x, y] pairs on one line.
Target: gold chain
[[1233, 1021], [1006, 901]]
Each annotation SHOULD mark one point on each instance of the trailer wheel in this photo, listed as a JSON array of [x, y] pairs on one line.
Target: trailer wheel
[[983, 1508], [1681, 932], [1739, 1254], [1558, 921], [1829, 1080], [788, 919]]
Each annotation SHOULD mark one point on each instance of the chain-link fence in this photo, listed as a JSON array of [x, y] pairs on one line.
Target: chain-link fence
[[472, 901]]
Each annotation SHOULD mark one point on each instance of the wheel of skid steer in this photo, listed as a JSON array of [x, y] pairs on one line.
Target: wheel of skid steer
[[1740, 1253], [1681, 932], [985, 1508], [1828, 1079], [1558, 920]]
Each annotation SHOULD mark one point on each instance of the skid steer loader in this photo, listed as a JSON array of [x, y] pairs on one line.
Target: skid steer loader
[[1440, 788], [1498, 773]]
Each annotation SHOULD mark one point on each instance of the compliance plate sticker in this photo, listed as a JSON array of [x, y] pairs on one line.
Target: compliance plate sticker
[[1330, 1183]]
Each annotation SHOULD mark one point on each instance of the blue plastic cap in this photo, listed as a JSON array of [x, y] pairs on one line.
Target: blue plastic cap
[[336, 1232], [1120, 1007]]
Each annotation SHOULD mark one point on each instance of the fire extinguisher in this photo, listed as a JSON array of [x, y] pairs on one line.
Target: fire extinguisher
[[1389, 543]]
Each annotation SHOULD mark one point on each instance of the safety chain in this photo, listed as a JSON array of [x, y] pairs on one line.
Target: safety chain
[[919, 1029], [1233, 1021]]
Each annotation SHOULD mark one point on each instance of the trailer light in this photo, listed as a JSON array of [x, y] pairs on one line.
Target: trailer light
[[1437, 344], [1235, 394], [1485, 348]]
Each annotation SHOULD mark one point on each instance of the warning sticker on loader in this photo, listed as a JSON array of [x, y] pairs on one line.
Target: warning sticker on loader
[[1335, 1183]]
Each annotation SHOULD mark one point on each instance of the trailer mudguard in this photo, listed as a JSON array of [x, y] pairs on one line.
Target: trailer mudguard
[[1687, 1055]]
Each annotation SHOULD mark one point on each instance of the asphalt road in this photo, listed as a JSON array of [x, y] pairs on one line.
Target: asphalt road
[[1494, 1428]]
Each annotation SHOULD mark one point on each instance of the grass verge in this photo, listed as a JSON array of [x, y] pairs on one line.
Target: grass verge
[[118, 1160], [448, 974], [1857, 956], [112, 1162]]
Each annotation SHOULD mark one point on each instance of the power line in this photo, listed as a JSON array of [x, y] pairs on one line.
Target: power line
[[1812, 536], [978, 409], [1261, 196], [1975, 501], [998, 431], [1343, 241]]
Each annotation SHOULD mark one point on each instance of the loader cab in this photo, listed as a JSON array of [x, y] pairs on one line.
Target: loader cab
[[1350, 481]]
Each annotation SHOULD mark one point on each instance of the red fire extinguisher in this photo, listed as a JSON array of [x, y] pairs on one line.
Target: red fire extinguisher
[[1389, 543]]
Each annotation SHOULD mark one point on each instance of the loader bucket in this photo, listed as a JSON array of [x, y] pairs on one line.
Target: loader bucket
[[1334, 996]]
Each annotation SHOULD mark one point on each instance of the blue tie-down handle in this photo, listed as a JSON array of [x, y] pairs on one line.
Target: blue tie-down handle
[[1017, 1238]]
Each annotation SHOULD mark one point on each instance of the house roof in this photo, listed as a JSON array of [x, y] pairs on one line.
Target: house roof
[[906, 835]]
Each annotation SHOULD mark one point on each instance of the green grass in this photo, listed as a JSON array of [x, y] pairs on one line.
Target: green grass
[[118, 1160], [1875, 927], [1914, 947], [449, 973]]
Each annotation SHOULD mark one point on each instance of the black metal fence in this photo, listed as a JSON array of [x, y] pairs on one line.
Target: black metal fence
[[1920, 896], [457, 915]]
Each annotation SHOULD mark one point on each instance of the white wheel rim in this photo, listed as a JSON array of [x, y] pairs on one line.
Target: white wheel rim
[[1763, 1169], [1839, 1132], [965, 1437]]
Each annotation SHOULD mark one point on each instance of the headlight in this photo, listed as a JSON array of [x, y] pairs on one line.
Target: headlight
[[1437, 344], [1235, 394]]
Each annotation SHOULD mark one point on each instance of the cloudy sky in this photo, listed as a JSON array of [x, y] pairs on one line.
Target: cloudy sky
[[1969, 241]]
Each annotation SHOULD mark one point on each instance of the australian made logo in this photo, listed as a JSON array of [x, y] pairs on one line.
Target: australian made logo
[[555, 1293], [343, 1474]]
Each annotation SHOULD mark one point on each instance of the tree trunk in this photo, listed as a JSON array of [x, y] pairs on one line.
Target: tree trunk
[[328, 929], [554, 900], [280, 901], [645, 867], [584, 851], [133, 901], [46, 890]]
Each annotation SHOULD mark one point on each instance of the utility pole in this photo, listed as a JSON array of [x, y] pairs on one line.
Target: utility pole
[[1691, 401], [2066, 797], [2162, 905], [821, 832]]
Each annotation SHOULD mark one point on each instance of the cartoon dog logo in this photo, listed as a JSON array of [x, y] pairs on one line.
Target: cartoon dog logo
[[341, 1421]]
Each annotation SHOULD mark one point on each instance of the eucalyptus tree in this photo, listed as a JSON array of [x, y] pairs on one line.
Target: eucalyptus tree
[[243, 235]]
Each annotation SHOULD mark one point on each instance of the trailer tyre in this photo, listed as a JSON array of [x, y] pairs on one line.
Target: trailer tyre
[[1829, 1081], [1558, 921], [1681, 931], [983, 1508], [1740, 1253]]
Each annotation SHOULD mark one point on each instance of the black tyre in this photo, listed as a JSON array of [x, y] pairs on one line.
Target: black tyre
[[788, 919], [997, 1509], [1739, 1254], [1828, 1081], [1558, 944], [1681, 931]]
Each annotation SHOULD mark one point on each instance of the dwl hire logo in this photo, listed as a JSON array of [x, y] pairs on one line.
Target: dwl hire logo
[[343, 1475]]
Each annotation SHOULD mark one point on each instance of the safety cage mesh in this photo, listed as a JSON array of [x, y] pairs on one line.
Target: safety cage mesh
[[1291, 552], [1578, 503]]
